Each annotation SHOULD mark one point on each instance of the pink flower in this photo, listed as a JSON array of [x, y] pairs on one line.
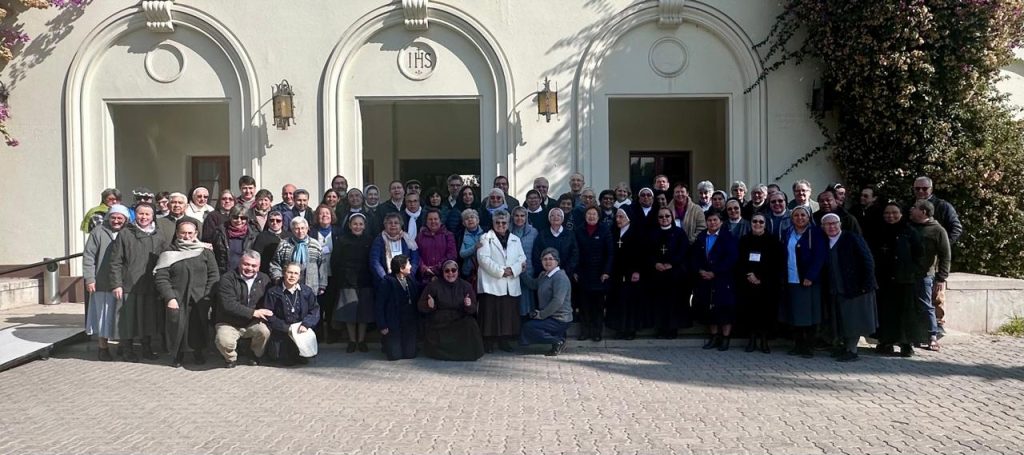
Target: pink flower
[[13, 142]]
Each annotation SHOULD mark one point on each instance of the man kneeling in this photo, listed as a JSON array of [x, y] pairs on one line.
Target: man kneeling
[[240, 312], [551, 319], [292, 304]]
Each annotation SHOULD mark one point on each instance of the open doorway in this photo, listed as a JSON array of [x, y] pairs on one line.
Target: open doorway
[[171, 147], [426, 140], [683, 138]]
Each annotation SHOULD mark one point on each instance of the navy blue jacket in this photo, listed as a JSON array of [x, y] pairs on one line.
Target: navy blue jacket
[[811, 253], [595, 257], [306, 310], [391, 296], [378, 258], [720, 260], [565, 243], [856, 265]]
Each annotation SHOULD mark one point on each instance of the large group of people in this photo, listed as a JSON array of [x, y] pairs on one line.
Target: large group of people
[[456, 272]]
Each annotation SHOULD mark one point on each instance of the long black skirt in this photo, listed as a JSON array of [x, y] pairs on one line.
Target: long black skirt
[[628, 308], [452, 339], [499, 315], [670, 298], [899, 320]]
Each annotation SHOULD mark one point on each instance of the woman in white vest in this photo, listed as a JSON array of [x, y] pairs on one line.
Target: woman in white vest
[[501, 260]]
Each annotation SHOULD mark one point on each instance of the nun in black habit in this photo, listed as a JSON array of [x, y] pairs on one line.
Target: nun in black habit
[[629, 309]]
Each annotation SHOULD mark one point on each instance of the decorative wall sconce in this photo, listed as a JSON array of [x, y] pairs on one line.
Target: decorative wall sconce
[[547, 101], [284, 105]]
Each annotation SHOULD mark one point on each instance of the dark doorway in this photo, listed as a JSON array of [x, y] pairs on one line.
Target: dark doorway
[[644, 165]]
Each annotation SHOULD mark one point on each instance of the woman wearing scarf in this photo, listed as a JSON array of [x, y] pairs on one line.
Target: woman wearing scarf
[[495, 202], [392, 242], [436, 246], [371, 204], [350, 268], [593, 273], [184, 278], [469, 242], [304, 250], [450, 304], [527, 234], [132, 258], [502, 261], [217, 217], [806, 253], [198, 205], [670, 280], [759, 273], [323, 232], [898, 251], [233, 238], [101, 315], [269, 239], [628, 308]]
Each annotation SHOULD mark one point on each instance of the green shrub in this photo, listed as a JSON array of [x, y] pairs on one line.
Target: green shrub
[[1013, 327]]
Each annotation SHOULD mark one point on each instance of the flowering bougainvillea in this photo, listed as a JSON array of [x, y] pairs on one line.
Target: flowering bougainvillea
[[11, 36], [914, 94]]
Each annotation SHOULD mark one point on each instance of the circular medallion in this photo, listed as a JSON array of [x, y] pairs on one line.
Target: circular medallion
[[165, 63], [668, 57], [417, 60]]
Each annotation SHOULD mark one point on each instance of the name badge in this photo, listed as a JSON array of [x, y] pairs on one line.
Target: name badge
[[755, 257]]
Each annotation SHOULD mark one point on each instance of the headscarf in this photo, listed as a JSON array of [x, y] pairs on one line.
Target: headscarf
[[366, 203], [623, 230]]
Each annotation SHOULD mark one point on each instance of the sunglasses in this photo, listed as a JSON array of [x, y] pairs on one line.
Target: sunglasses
[[450, 270], [500, 223], [778, 201], [239, 218], [733, 209], [756, 221], [664, 217], [921, 188], [202, 196], [272, 220]]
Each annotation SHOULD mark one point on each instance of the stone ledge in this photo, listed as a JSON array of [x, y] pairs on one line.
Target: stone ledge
[[970, 281]]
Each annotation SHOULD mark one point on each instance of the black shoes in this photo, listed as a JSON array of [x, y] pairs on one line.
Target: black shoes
[[177, 359], [714, 341], [723, 344], [253, 362], [148, 353], [751, 345], [504, 345], [596, 338], [229, 364], [764, 346], [351, 347], [104, 355], [885, 349], [129, 355], [906, 350], [362, 346], [556, 349]]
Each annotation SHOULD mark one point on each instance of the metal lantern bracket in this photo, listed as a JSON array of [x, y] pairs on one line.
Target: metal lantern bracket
[[284, 105]]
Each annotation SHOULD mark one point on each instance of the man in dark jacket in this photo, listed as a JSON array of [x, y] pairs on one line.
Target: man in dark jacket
[[945, 214], [239, 309]]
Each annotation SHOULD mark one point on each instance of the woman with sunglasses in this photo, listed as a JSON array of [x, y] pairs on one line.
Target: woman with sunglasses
[[269, 238], [198, 205], [450, 306], [777, 217], [233, 238], [218, 217], [735, 223], [759, 269]]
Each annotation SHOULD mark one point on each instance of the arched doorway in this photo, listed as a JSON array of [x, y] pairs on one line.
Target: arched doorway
[[682, 86], [131, 96], [381, 117]]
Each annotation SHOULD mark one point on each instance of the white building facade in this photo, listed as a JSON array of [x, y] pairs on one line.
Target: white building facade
[[168, 94]]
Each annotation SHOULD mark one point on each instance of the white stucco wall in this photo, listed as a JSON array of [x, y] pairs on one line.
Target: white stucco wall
[[534, 39]]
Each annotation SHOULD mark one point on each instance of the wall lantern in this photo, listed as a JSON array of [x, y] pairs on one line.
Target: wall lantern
[[284, 107], [547, 101]]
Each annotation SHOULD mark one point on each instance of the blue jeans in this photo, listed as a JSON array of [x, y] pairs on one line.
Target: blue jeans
[[549, 331], [924, 296]]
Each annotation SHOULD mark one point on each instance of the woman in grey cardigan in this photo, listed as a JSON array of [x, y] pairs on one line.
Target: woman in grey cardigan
[[101, 314], [549, 322]]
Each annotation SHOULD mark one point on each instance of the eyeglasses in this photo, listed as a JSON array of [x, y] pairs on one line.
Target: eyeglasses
[[450, 270], [500, 223], [202, 196], [664, 217], [756, 221], [778, 201], [646, 195], [275, 220], [922, 188], [733, 209], [240, 217]]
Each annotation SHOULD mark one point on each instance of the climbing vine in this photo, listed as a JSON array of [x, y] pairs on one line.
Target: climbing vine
[[913, 84]]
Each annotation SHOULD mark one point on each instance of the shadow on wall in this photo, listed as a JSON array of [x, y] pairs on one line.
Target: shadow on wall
[[40, 47]]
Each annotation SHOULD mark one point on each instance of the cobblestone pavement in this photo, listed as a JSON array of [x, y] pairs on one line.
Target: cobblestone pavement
[[968, 398]]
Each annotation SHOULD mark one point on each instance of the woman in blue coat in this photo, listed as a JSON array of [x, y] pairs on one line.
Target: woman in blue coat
[[806, 252], [593, 273], [392, 242], [714, 299], [396, 310]]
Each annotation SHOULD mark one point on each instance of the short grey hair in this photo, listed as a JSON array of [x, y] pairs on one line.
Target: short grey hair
[[705, 185], [925, 179], [738, 184], [470, 213], [252, 254], [500, 215], [760, 187], [299, 220], [801, 182], [925, 206], [178, 195], [549, 251]]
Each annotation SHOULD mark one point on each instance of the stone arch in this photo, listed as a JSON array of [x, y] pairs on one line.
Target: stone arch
[[80, 142], [342, 142], [746, 158]]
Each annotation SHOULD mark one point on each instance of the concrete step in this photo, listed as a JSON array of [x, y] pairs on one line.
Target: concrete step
[[19, 292], [31, 332]]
